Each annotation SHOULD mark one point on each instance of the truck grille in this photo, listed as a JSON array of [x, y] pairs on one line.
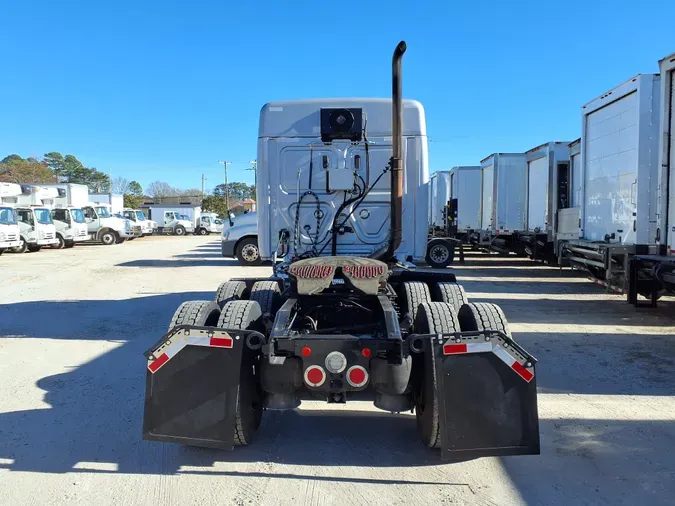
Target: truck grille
[[11, 237], [49, 235], [82, 233]]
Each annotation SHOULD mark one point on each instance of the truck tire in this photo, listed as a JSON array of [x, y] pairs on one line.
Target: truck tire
[[245, 314], [452, 293], [412, 294], [203, 231], [248, 252], [267, 294], [108, 238], [432, 318], [21, 248], [61, 244], [483, 316], [179, 230], [440, 253], [230, 290], [34, 248], [70, 244], [202, 313], [2, 250]]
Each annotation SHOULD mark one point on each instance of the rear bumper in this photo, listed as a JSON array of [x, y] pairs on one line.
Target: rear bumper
[[227, 248]]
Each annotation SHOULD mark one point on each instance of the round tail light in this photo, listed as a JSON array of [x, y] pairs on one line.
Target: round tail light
[[315, 376], [336, 362], [357, 376]]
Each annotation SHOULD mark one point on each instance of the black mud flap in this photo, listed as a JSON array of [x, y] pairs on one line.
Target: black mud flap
[[487, 388], [192, 378]]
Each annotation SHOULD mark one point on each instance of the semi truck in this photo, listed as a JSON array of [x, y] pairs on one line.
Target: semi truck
[[503, 202], [66, 210], [9, 226], [36, 227], [548, 190], [346, 315], [618, 214]]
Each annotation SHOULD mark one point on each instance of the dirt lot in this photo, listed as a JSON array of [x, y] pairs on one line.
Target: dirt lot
[[74, 324]]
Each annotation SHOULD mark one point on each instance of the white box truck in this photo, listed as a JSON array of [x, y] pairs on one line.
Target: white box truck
[[66, 210], [618, 211], [503, 202], [36, 227], [548, 176], [115, 200], [175, 220], [137, 218], [9, 226]]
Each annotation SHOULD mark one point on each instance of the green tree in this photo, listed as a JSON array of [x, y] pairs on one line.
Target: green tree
[[214, 204], [132, 201], [14, 169], [135, 189], [69, 169], [238, 191]]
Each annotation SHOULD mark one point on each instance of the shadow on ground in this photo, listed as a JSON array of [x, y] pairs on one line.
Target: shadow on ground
[[220, 261]]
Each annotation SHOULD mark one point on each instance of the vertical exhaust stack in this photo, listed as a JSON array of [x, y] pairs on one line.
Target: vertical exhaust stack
[[397, 151]]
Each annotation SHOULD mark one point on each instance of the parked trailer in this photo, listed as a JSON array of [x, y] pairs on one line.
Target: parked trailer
[[341, 320], [439, 195], [654, 275], [548, 176], [503, 202], [619, 212], [464, 210]]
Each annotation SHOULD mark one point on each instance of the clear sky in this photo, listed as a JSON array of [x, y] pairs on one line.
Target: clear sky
[[163, 90]]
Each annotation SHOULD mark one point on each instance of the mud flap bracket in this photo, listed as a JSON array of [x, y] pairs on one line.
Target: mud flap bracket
[[192, 379], [487, 395]]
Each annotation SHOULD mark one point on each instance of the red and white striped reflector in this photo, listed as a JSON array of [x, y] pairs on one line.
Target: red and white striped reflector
[[312, 271], [315, 376], [174, 348], [603, 283], [357, 376], [364, 271], [453, 348]]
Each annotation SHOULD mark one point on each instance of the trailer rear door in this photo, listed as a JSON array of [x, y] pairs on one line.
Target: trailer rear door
[[610, 175], [537, 194]]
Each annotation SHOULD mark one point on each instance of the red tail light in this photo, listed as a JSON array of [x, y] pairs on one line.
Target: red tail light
[[315, 376], [366, 352], [306, 351], [357, 376]]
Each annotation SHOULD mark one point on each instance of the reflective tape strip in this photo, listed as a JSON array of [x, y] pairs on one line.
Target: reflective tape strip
[[454, 348], [172, 350], [457, 348]]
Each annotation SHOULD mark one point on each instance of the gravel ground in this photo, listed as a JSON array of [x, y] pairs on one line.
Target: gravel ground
[[74, 324]]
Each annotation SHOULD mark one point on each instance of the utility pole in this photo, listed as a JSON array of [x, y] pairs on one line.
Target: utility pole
[[227, 186], [203, 179]]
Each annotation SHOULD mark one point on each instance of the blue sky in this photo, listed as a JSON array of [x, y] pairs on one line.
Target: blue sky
[[163, 90]]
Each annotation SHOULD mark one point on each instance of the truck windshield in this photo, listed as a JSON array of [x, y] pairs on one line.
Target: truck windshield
[[130, 215], [103, 212], [7, 216], [77, 215], [140, 216], [43, 216], [184, 217]]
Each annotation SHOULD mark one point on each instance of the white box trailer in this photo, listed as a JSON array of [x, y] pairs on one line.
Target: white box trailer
[[439, 195], [548, 175], [503, 200], [465, 199], [618, 212], [73, 195], [116, 201]]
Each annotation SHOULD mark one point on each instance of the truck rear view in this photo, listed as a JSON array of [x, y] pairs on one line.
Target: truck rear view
[[345, 315]]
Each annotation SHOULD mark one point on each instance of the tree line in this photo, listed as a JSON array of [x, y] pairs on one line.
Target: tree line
[[54, 167]]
